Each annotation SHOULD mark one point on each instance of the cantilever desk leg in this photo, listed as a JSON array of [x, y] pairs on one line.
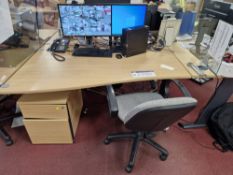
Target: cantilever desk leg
[[221, 95]]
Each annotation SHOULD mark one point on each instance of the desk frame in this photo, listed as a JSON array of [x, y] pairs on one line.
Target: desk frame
[[220, 97]]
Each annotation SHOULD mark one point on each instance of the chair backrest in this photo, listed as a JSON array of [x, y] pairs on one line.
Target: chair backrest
[[156, 115]]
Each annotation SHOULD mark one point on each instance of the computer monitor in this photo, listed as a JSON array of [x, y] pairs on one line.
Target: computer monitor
[[85, 20], [107, 1], [125, 16]]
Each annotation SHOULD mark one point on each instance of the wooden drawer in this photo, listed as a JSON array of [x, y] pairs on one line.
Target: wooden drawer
[[51, 117], [48, 131], [44, 111]]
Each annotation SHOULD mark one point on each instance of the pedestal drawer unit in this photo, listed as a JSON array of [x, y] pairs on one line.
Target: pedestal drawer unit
[[51, 118]]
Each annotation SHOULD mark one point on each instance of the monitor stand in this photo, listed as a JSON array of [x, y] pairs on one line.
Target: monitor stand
[[89, 40], [116, 46]]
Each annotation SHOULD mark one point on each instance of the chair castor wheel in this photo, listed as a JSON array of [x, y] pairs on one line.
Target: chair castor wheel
[[163, 156], [84, 111], [9, 142], [129, 169], [107, 141]]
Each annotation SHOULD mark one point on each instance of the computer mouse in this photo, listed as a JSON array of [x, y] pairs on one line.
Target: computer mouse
[[118, 56], [76, 46]]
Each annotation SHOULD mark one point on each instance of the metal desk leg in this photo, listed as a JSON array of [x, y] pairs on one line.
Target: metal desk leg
[[222, 94], [6, 137]]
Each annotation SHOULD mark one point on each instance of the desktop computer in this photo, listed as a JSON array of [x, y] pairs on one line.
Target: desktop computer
[[134, 40], [99, 20]]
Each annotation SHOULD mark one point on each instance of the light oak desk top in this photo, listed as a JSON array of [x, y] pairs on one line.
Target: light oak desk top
[[42, 73]]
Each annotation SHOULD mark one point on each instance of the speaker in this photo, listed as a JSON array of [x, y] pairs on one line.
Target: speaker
[[134, 40]]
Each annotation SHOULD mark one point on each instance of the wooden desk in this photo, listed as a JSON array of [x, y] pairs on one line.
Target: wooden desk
[[42, 73]]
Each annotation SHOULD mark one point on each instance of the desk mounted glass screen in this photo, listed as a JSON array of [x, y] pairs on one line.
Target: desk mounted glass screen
[[124, 16], [85, 20]]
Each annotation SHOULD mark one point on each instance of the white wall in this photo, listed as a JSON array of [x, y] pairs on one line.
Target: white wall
[[6, 27]]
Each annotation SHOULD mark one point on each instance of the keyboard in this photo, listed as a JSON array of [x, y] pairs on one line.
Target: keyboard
[[92, 52]]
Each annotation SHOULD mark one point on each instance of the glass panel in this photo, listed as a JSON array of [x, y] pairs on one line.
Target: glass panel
[[204, 30], [34, 22]]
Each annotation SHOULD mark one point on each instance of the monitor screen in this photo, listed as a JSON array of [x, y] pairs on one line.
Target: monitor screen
[[85, 20], [124, 16]]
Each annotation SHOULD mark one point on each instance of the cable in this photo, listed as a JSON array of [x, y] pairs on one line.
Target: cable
[[184, 120], [217, 82], [194, 138], [58, 57]]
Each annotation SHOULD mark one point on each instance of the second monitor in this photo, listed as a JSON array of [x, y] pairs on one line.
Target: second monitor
[[125, 16]]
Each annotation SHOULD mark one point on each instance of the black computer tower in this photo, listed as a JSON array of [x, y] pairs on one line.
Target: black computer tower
[[151, 16], [134, 40]]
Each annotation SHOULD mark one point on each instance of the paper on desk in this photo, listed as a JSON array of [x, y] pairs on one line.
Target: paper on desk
[[6, 27], [220, 40], [143, 74], [226, 70]]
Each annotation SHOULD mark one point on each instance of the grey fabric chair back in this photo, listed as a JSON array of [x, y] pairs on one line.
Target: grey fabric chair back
[[155, 116]]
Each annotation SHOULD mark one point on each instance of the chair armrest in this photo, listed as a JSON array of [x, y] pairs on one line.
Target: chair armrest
[[112, 101], [164, 88], [182, 88]]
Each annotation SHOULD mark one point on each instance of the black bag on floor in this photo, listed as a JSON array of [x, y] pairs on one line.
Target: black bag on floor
[[220, 126]]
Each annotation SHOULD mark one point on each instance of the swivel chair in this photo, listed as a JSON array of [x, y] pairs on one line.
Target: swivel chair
[[146, 113]]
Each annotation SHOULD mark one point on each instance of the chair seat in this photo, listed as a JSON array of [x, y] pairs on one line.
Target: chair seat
[[127, 102]]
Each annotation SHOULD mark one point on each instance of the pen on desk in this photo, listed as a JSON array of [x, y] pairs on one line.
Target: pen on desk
[[142, 71]]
